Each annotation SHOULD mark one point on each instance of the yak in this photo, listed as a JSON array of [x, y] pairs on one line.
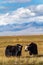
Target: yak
[[32, 48], [13, 50]]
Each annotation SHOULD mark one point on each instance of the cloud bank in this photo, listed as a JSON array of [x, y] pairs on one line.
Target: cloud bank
[[22, 15], [22, 20]]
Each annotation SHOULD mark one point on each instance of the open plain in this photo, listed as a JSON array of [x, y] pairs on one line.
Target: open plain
[[25, 59]]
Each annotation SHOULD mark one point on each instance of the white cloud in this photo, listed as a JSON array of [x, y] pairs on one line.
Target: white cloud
[[22, 15], [33, 15], [16, 16], [39, 8]]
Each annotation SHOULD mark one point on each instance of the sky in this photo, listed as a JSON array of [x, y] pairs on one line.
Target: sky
[[21, 17]]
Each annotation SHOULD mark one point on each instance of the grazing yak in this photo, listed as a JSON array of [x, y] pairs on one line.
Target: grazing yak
[[13, 50], [32, 48]]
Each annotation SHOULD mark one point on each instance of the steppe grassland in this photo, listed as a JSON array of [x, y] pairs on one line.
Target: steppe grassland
[[25, 58]]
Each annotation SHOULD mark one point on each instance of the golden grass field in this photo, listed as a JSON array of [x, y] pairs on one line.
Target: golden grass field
[[25, 59]]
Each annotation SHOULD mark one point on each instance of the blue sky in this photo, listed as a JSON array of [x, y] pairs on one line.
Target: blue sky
[[19, 16]]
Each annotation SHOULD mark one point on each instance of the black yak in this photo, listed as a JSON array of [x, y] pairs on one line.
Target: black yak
[[13, 50], [32, 48]]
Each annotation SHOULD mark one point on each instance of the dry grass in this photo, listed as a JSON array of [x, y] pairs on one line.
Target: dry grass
[[25, 59]]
